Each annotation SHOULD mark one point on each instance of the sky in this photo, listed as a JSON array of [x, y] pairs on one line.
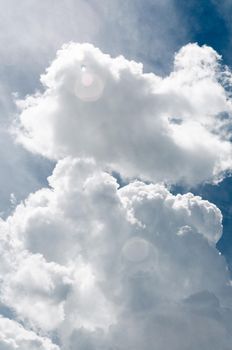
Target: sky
[[115, 187]]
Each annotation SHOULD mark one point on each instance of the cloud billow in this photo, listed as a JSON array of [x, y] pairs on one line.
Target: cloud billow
[[87, 264], [169, 129]]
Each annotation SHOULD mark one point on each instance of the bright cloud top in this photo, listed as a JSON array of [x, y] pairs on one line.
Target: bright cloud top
[[89, 265], [172, 129]]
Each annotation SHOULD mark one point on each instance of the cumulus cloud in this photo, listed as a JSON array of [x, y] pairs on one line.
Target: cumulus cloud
[[172, 129], [14, 336], [90, 265]]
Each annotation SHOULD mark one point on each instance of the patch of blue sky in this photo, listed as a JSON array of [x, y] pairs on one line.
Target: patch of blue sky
[[207, 23]]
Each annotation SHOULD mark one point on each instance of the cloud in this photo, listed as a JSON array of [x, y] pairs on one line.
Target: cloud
[[27, 50], [139, 124], [91, 265], [97, 22], [31, 170], [30, 175], [87, 264], [84, 263], [14, 336]]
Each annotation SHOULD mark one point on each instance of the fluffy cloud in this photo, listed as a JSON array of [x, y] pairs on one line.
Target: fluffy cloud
[[87, 264], [173, 129], [14, 336], [91, 265]]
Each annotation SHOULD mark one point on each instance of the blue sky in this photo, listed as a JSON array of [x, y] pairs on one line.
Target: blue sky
[[207, 22]]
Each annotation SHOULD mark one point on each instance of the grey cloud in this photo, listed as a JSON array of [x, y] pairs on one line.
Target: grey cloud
[[133, 266]]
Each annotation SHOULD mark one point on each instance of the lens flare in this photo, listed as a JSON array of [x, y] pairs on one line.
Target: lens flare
[[136, 249], [89, 87]]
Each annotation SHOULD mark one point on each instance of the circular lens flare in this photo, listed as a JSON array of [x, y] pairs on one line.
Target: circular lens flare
[[136, 249], [89, 87], [87, 79]]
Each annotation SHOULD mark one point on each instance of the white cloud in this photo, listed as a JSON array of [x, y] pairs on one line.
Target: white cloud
[[86, 264], [27, 49], [83, 263], [36, 291], [14, 336], [92, 21], [101, 266], [172, 129]]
